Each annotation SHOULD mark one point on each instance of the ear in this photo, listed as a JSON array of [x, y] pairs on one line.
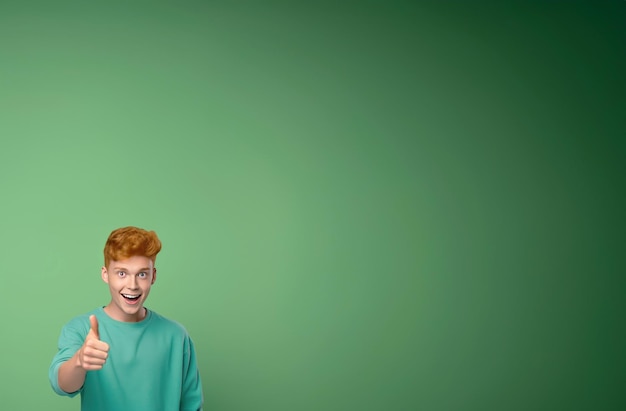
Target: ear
[[153, 275], [105, 275]]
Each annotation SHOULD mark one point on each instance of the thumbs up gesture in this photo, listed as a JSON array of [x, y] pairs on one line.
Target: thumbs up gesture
[[93, 354]]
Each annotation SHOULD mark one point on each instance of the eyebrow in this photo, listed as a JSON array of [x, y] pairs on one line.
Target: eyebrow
[[126, 269]]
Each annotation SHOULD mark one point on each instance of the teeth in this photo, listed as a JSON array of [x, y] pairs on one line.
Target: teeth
[[130, 296]]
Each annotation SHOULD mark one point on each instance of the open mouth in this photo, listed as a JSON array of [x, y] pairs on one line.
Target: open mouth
[[131, 298]]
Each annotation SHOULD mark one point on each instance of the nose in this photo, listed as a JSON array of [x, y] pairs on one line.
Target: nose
[[132, 282]]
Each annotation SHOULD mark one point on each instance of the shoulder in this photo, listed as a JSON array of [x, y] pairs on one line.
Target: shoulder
[[167, 324], [83, 319], [79, 325]]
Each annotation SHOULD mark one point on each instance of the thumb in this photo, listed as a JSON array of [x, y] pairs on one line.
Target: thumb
[[94, 326]]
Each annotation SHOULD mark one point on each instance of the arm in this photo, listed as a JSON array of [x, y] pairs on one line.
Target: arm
[[191, 398], [71, 374], [90, 356]]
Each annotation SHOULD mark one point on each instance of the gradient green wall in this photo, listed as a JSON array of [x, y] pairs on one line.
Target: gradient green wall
[[364, 206]]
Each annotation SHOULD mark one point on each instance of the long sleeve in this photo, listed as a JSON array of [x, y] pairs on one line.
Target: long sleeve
[[192, 397], [71, 339]]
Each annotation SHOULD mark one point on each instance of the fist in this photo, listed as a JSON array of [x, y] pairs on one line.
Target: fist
[[93, 354]]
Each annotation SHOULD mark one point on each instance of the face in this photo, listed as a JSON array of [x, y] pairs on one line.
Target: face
[[129, 282]]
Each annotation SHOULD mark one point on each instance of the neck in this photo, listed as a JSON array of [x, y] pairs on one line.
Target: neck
[[115, 314]]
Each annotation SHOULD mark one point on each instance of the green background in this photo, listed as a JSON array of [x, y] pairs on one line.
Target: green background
[[363, 205]]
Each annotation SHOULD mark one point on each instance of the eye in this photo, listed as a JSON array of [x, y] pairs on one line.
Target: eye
[[121, 274], [142, 274]]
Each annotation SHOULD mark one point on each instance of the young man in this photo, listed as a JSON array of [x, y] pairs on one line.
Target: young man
[[124, 356]]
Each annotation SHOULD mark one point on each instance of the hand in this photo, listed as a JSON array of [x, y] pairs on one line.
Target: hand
[[93, 354]]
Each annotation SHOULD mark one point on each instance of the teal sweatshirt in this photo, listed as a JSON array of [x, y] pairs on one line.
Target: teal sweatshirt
[[151, 365]]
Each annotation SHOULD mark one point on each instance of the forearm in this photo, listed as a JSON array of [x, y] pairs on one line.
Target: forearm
[[71, 375]]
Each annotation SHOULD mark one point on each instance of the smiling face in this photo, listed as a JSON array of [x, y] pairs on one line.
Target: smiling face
[[129, 282]]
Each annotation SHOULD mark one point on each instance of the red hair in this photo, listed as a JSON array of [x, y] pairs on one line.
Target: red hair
[[128, 242]]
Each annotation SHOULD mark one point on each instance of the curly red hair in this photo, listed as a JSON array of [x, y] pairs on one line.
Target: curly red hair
[[131, 241]]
